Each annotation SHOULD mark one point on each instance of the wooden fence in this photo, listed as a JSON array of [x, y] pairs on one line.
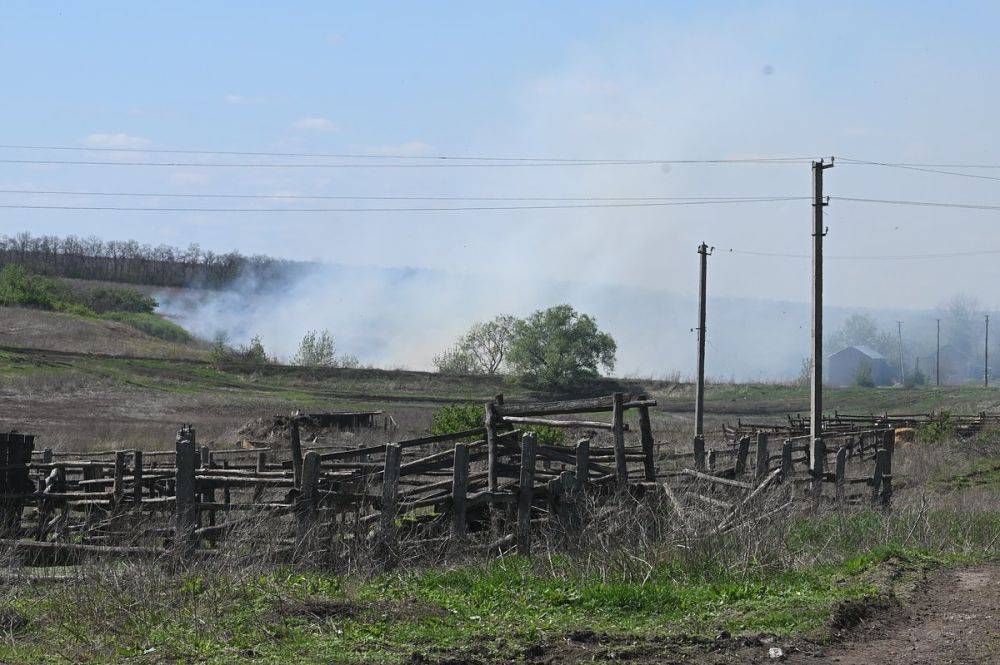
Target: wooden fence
[[492, 486]]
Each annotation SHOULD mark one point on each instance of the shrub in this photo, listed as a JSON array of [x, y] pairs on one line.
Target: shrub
[[317, 350], [864, 378], [151, 324], [457, 418], [939, 429], [116, 299]]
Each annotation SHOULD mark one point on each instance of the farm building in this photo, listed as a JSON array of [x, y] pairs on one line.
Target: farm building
[[843, 366]]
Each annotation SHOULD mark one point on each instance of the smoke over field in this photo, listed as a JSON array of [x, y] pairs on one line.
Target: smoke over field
[[404, 317]]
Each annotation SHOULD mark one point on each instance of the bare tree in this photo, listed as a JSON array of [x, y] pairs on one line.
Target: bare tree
[[482, 350]]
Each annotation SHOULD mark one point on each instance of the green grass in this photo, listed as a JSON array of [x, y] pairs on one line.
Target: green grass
[[506, 605], [983, 474]]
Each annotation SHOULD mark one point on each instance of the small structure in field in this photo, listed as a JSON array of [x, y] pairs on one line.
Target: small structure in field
[[848, 365], [312, 425]]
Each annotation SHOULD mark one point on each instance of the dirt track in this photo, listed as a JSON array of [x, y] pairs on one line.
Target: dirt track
[[954, 617]]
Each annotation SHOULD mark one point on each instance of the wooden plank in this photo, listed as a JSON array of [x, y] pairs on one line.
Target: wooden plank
[[763, 456], [490, 420], [618, 433], [646, 439], [526, 487], [390, 497], [186, 508], [552, 422], [715, 479], [699, 452], [296, 445], [459, 490], [583, 463]]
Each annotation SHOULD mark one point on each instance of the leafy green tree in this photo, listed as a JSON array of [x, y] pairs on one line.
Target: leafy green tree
[[482, 350], [558, 348]]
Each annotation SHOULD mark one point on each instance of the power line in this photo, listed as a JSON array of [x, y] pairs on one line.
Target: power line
[[929, 168], [422, 209], [376, 165], [931, 204], [872, 257], [548, 160], [297, 197]]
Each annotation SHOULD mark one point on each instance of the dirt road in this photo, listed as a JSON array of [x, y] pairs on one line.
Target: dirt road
[[952, 618]]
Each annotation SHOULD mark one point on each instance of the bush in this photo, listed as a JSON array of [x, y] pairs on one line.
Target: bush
[[940, 429], [115, 299], [457, 418], [20, 288], [864, 378], [151, 324], [461, 417], [317, 350]]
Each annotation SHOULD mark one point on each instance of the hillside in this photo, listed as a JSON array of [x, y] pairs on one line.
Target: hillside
[[59, 331]]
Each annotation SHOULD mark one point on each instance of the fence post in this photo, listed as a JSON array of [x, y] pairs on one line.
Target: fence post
[[889, 444], [583, 463], [490, 421], [763, 457], [618, 431], [15, 457], [390, 497], [818, 467], [525, 494], [646, 437], [786, 460], [47, 456], [459, 490], [118, 488], [137, 477], [742, 453], [711, 460], [876, 480], [308, 493], [261, 462], [841, 472], [296, 445], [185, 500], [699, 452]]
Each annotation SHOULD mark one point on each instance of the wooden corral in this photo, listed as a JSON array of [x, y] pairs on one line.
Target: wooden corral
[[490, 487]]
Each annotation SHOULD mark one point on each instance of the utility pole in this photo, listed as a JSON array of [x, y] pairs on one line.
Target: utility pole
[[902, 372], [937, 358], [986, 355], [817, 457], [699, 400]]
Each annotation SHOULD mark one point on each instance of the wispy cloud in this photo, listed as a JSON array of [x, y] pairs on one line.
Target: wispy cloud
[[115, 140], [315, 125], [245, 100], [335, 40]]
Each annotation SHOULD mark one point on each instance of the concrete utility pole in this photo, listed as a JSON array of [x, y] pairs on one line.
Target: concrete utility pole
[[937, 358], [986, 355], [816, 456], [699, 396], [902, 372]]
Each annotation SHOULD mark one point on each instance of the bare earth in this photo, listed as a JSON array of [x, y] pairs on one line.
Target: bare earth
[[953, 618]]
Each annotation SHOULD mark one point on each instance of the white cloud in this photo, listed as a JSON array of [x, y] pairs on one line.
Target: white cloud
[[115, 140], [315, 125]]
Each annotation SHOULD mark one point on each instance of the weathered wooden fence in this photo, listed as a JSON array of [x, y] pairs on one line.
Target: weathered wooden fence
[[490, 487]]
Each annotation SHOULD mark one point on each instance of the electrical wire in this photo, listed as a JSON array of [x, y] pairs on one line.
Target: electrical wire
[[870, 257], [566, 160], [19, 206], [930, 204], [296, 197]]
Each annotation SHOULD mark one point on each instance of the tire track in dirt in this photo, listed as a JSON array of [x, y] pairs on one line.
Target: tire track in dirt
[[953, 617]]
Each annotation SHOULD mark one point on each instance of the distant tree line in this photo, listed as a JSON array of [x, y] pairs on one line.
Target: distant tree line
[[135, 263]]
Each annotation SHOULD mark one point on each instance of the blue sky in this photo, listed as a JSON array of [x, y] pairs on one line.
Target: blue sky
[[911, 81]]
